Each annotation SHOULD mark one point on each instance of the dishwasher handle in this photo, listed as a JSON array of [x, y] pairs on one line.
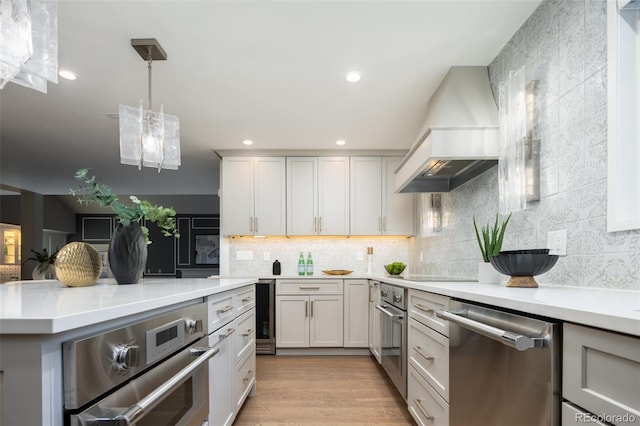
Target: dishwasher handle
[[508, 338]]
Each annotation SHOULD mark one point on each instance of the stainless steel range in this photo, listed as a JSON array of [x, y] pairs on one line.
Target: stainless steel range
[[152, 372], [393, 325]]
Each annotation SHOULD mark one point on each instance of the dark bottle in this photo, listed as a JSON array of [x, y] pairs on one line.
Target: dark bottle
[[276, 268]]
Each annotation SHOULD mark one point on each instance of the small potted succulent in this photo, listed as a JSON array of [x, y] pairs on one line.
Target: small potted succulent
[[490, 243], [45, 263]]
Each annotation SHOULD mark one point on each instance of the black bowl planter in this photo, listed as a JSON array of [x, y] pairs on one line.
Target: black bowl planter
[[523, 265], [127, 253]]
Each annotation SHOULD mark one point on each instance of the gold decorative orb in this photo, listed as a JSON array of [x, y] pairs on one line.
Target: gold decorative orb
[[78, 264]]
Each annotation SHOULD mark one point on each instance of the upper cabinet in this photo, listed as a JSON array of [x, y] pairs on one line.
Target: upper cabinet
[[375, 209], [253, 196], [318, 196], [10, 244]]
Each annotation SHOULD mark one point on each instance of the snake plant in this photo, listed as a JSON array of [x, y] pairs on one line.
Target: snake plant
[[491, 241]]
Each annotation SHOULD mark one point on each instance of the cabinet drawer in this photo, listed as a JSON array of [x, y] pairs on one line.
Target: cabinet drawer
[[601, 372], [424, 403], [220, 309], [423, 307], [245, 378], [245, 299], [574, 416], [245, 335], [429, 355], [309, 286]]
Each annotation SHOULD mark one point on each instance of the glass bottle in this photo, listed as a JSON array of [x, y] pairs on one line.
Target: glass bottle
[[309, 264], [301, 265]]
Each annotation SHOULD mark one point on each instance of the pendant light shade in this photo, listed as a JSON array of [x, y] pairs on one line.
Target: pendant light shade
[[149, 138], [28, 43]]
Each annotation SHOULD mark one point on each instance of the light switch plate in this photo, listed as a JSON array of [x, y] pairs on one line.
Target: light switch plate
[[360, 255], [244, 255], [557, 242], [266, 256]]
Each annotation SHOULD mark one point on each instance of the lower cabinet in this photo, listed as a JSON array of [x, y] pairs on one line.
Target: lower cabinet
[[356, 313], [232, 371], [375, 340], [425, 405]]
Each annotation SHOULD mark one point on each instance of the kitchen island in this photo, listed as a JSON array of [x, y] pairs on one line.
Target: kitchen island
[[36, 317]]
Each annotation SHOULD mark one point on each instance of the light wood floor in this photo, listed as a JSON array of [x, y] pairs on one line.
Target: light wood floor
[[295, 390]]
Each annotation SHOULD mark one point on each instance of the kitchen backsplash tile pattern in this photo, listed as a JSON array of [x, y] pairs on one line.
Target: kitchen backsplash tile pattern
[[328, 253], [563, 45]]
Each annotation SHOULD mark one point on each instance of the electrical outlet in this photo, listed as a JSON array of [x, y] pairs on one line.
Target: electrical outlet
[[360, 255], [557, 242], [266, 256]]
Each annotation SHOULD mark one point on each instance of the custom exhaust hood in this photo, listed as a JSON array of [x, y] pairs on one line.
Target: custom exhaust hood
[[459, 139]]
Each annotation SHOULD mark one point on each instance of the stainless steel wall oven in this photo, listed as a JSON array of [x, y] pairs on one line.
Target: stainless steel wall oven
[[152, 372], [393, 328]]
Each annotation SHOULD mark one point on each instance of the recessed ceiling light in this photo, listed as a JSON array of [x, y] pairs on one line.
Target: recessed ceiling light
[[247, 142], [340, 142], [353, 76], [68, 75]]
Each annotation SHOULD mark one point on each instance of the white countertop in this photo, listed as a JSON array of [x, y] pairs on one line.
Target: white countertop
[[48, 307]]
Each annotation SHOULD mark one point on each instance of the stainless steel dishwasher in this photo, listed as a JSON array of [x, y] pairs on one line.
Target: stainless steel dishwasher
[[504, 368]]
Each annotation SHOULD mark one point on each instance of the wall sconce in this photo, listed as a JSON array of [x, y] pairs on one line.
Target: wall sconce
[[149, 138], [519, 160], [431, 214], [29, 43]]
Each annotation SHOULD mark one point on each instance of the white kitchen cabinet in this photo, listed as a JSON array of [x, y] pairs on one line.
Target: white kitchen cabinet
[[318, 196], [309, 313], [374, 208], [424, 403], [253, 196], [10, 244], [375, 342], [221, 377], [356, 313]]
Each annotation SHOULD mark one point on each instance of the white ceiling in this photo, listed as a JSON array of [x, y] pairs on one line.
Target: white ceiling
[[271, 71]]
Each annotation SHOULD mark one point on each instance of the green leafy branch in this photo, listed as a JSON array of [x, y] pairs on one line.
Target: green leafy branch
[[492, 236], [90, 191], [43, 258]]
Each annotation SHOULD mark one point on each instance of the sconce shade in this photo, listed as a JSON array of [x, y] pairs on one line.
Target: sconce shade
[[29, 43]]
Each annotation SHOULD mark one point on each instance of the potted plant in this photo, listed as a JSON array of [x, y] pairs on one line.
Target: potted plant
[[490, 245], [45, 263], [128, 245]]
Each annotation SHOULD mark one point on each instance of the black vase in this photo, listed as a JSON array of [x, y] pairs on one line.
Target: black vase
[[127, 253]]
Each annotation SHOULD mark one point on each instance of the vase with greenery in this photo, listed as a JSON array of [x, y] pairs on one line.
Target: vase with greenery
[[128, 245], [490, 239], [45, 262]]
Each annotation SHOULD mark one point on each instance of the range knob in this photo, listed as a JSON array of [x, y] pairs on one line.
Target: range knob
[[124, 356], [384, 292], [397, 297], [193, 325]]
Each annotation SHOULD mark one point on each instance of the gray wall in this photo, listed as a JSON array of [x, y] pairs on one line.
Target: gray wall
[[563, 45], [10, 209], [57, 215]]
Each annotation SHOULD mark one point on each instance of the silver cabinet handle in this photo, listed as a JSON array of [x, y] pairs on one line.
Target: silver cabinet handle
[[315, 224], [423, 354], [140, 409], [224, 310], [320, 224], [251, 224], [384, 223], [309, 287], [306, 309], [423, 411], [229, 332], [384, 311], [248, 376], [508, 338], [247, 333], [248, 299], [311, 309], [423, 308], [255, 220]]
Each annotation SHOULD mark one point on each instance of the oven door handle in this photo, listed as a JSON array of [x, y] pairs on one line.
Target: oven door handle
[[141, 408], [385, 311], [508, 338]]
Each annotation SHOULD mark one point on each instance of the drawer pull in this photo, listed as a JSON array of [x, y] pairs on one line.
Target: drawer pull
[[248, 299], [309, 287], [224, 310], [229, 332], [247, 333], [423, 308], [248, 376], [423, 354], [423, 411]]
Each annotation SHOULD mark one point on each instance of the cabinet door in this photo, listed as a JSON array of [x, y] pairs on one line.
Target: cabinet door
[[397, 209], [366, 199], [237, 196], [356, 313], [333, 195], [302, 195], [221, 377], [326, 321], [292, 321], [375, 343], [10, 245], [269, 196]]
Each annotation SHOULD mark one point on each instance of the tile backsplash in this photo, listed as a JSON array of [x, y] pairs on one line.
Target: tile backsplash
[[563, 46]]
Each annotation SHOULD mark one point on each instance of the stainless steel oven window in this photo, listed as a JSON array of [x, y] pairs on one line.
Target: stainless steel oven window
[[393, 329]]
